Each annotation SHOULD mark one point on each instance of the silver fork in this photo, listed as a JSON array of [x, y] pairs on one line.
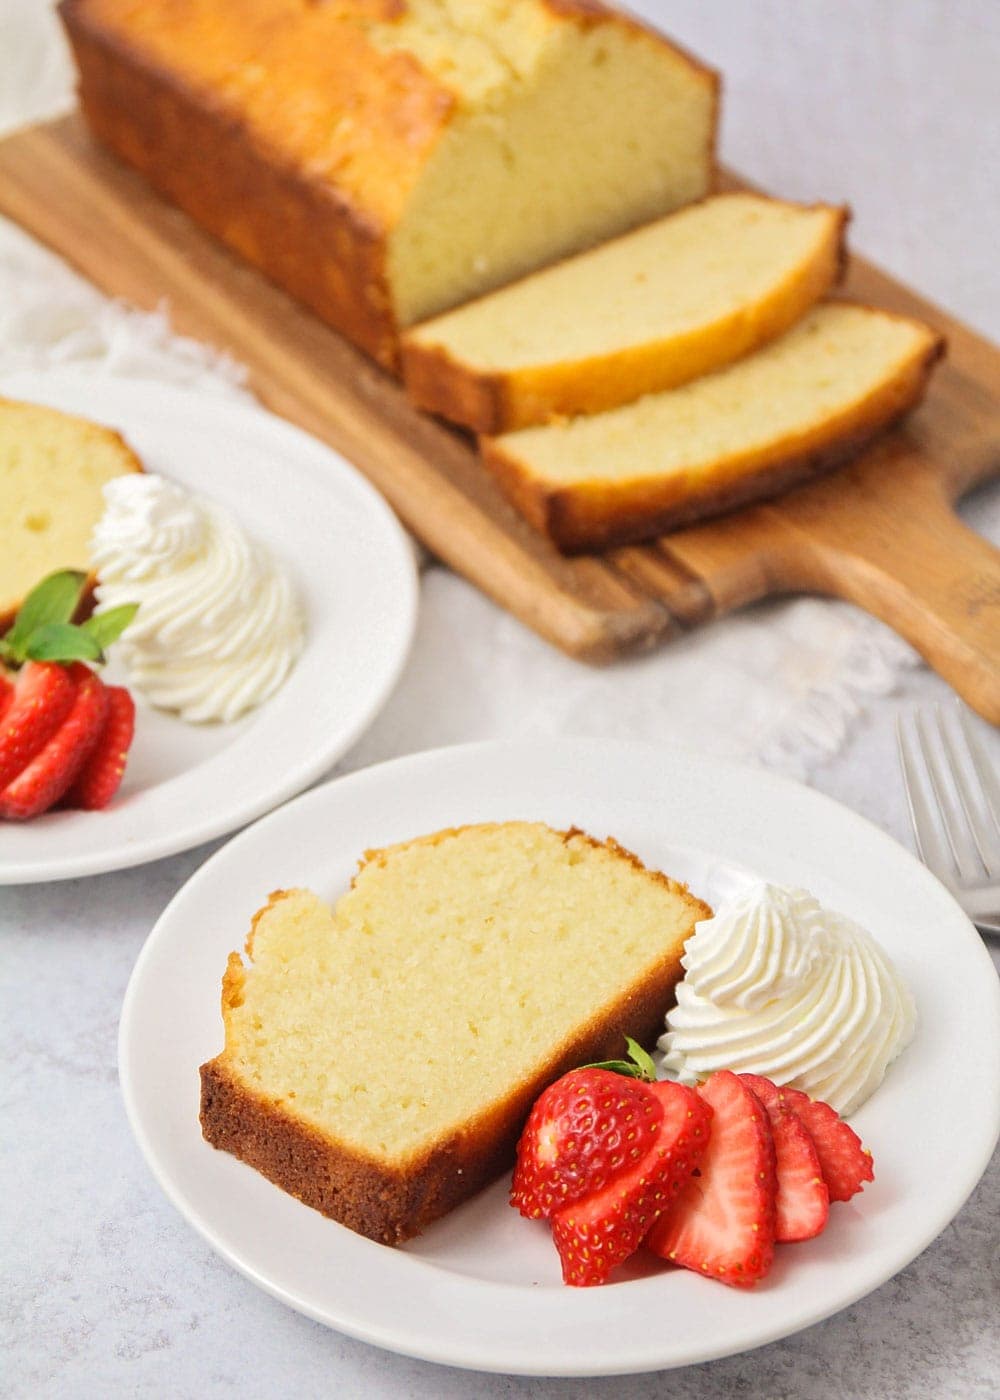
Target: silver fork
[[954, 800]]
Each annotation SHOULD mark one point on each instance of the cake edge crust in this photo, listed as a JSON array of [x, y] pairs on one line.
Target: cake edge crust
[[305, 237]]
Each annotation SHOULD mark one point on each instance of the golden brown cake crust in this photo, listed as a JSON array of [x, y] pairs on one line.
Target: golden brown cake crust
[[438, 383], [601, 515], [392, 1205], [301, 233]]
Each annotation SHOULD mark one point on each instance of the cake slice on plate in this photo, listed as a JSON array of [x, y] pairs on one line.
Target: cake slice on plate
[[380, 1058], [53, 467]]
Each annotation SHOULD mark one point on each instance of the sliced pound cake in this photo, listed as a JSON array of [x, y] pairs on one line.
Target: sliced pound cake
[[380, 1058], [385, 159], [647, 311], [803, 403], [53, 468]]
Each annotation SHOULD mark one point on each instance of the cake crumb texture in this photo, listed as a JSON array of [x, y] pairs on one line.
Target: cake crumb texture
[[53, 468]]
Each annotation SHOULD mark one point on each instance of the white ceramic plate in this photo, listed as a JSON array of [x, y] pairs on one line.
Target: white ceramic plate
[[481, 1288], [354, 569]]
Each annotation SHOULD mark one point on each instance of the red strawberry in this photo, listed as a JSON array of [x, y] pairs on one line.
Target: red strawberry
[[101, 775], [684, 1132], [6, 692], [596, 1234], [43, 692], [803, 1202], [54, 767], [599, 1231], [846, 1165], [722, 1222], [586, 1131]]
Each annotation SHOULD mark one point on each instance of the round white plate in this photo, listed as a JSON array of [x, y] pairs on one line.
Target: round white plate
[[482, 1288], [354, 569]]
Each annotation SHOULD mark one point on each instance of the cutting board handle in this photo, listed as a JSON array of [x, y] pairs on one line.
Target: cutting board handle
[[887, 538]]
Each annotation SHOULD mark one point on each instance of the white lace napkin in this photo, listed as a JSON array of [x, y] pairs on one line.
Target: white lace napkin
[[781, 683]]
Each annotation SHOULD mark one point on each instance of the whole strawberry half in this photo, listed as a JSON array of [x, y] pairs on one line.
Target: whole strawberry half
[[587, 1131], [600, 1156], [722, 1222], [53, 708]]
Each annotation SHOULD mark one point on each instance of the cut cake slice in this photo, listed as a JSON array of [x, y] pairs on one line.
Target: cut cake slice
[[53, 468], [380, 1059], [648, 311], [802, 404]]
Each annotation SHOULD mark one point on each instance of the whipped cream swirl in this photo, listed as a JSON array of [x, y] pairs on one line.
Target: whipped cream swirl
[[776, 985], [219, 627]]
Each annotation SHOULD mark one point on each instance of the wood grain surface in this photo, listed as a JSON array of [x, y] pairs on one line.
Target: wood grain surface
[[880, 532]]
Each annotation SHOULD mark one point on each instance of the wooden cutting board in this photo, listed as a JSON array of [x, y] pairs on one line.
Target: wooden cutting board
[[880, 532]]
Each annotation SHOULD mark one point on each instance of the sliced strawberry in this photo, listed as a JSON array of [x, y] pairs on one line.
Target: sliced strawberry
[[101, 775], [601, 1230], [844, 1162], [43, 694], [803, 1202], [44, 780], [585, 1132], [722, 1222], [683, 1136]]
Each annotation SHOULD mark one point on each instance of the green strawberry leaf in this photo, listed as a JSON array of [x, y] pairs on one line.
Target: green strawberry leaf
[[51, 602], [107, 627], [639, 1064], [42, 630], [61, 641]]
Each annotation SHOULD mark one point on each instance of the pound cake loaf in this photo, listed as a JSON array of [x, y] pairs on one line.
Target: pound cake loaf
[[53, 468], [800, 405], [385, 159], [646, 311], [380, 1058]]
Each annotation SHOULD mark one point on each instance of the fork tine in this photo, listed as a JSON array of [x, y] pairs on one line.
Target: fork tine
[[989, 788], [959, 841], [926, 830], [960, 783]]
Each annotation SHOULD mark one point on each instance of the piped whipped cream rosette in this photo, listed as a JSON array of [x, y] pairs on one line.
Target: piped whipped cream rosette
[[219, 627], [776, 985]]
